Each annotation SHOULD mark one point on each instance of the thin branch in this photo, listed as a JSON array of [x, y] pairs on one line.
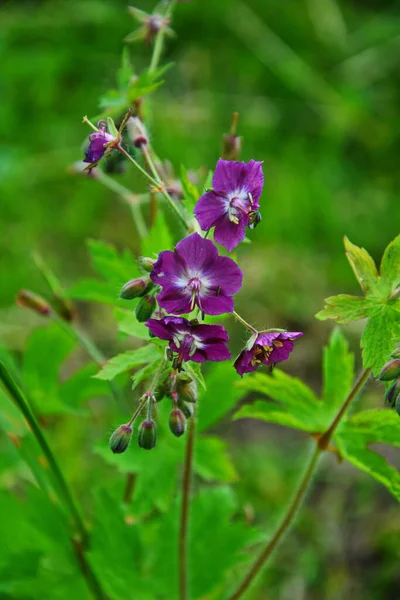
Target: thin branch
[[291, 512], [184, 520]]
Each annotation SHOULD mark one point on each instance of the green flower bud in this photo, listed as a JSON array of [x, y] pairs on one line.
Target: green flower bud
[[396, 353], [28, 299], [392, 393], [187, 390], [186, 407], [147, 434], [397, 405], [147, 263], [145, 308], [134, 288], [120, 439], [391, 370], [177, 422]]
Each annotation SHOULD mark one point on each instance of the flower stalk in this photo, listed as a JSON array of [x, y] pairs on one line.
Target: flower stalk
[[288, 519], [184, 517]]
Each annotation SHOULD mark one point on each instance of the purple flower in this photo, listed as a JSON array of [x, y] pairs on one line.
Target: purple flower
[[191, 341], [265, 348], [232, 204], [194, 275], [97, 146]]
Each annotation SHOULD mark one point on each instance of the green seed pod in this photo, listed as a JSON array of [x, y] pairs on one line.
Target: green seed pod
[[392, 393], [177, 422], [145, 308], [147, 263], [186, 407], [28, 299], [391, 370], [134, 288], [120, 439], [147, 435]]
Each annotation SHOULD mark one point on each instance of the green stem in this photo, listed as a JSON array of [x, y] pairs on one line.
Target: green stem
[[129, 198], [245, 323], [184, 519], [301, 491], [62, 486], [158, 44]]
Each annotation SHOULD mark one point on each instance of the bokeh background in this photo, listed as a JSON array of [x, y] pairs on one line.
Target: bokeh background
[[316, 83]]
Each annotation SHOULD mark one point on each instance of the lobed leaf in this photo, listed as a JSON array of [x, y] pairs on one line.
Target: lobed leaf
[[344, 309], [363, 266], [338, 370], [380, 336], [128, 360], [390, 266]]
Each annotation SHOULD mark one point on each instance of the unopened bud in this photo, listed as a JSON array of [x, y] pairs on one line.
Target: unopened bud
[[392, 393], [187, 390], [134, 288], [231, 146], [396, 353], [397, 405], [147, 263], [137, 132], [186, 407], [147, 434], [28, 299], [120, 439], [177, 422], [391, 370], [145, 308]]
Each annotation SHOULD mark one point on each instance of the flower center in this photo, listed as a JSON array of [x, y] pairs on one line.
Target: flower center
[[195, 285], [187, 345], [261, 353], [238, 207]]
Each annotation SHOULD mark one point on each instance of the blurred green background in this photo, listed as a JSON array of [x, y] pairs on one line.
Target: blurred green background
[[316, 83]]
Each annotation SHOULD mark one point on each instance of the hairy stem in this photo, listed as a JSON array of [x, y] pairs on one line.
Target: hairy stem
[[128, 197], [243, 322], [301, 491], [184, 519]]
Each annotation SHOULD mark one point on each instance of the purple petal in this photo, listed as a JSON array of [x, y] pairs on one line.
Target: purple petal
[[209, 208], [229, 234], [243, 363], [196, 252], [217, 305], [159, 329], [176, 303], [207, 332], [217, 352], [233, 176], [167, 269], [226, 275], [280, 354]]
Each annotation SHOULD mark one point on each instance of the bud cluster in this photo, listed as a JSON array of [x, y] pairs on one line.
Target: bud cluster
[[391, 373]]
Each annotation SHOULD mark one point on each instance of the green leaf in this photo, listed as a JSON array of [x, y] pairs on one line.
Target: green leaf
[[220, 397], [344, 308], [128, 323], [212, 460], [92, 290], [338, 369], [380, 336], [363, 266], [390, 266], [128, 360], [295, 404], [111, 265], [190, 191], [160, 238], [46, 350], [81, 386], [371, 427], [143, 374]]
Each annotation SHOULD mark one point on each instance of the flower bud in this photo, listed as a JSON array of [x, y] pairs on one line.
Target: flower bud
[[145, 308], [186, 407], [396, 353], [391, 370], [134, 288], [392, 393], [177, 422], [137, 132], [120, 439], [397, 405], [147, 434], [147, 263], [187, 390], [28, 299], [231, 146]]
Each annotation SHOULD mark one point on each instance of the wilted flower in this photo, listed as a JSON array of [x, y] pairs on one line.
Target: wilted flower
[[97, 147], [233, 203], [191, 341], [194, 275], [266, 348]]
